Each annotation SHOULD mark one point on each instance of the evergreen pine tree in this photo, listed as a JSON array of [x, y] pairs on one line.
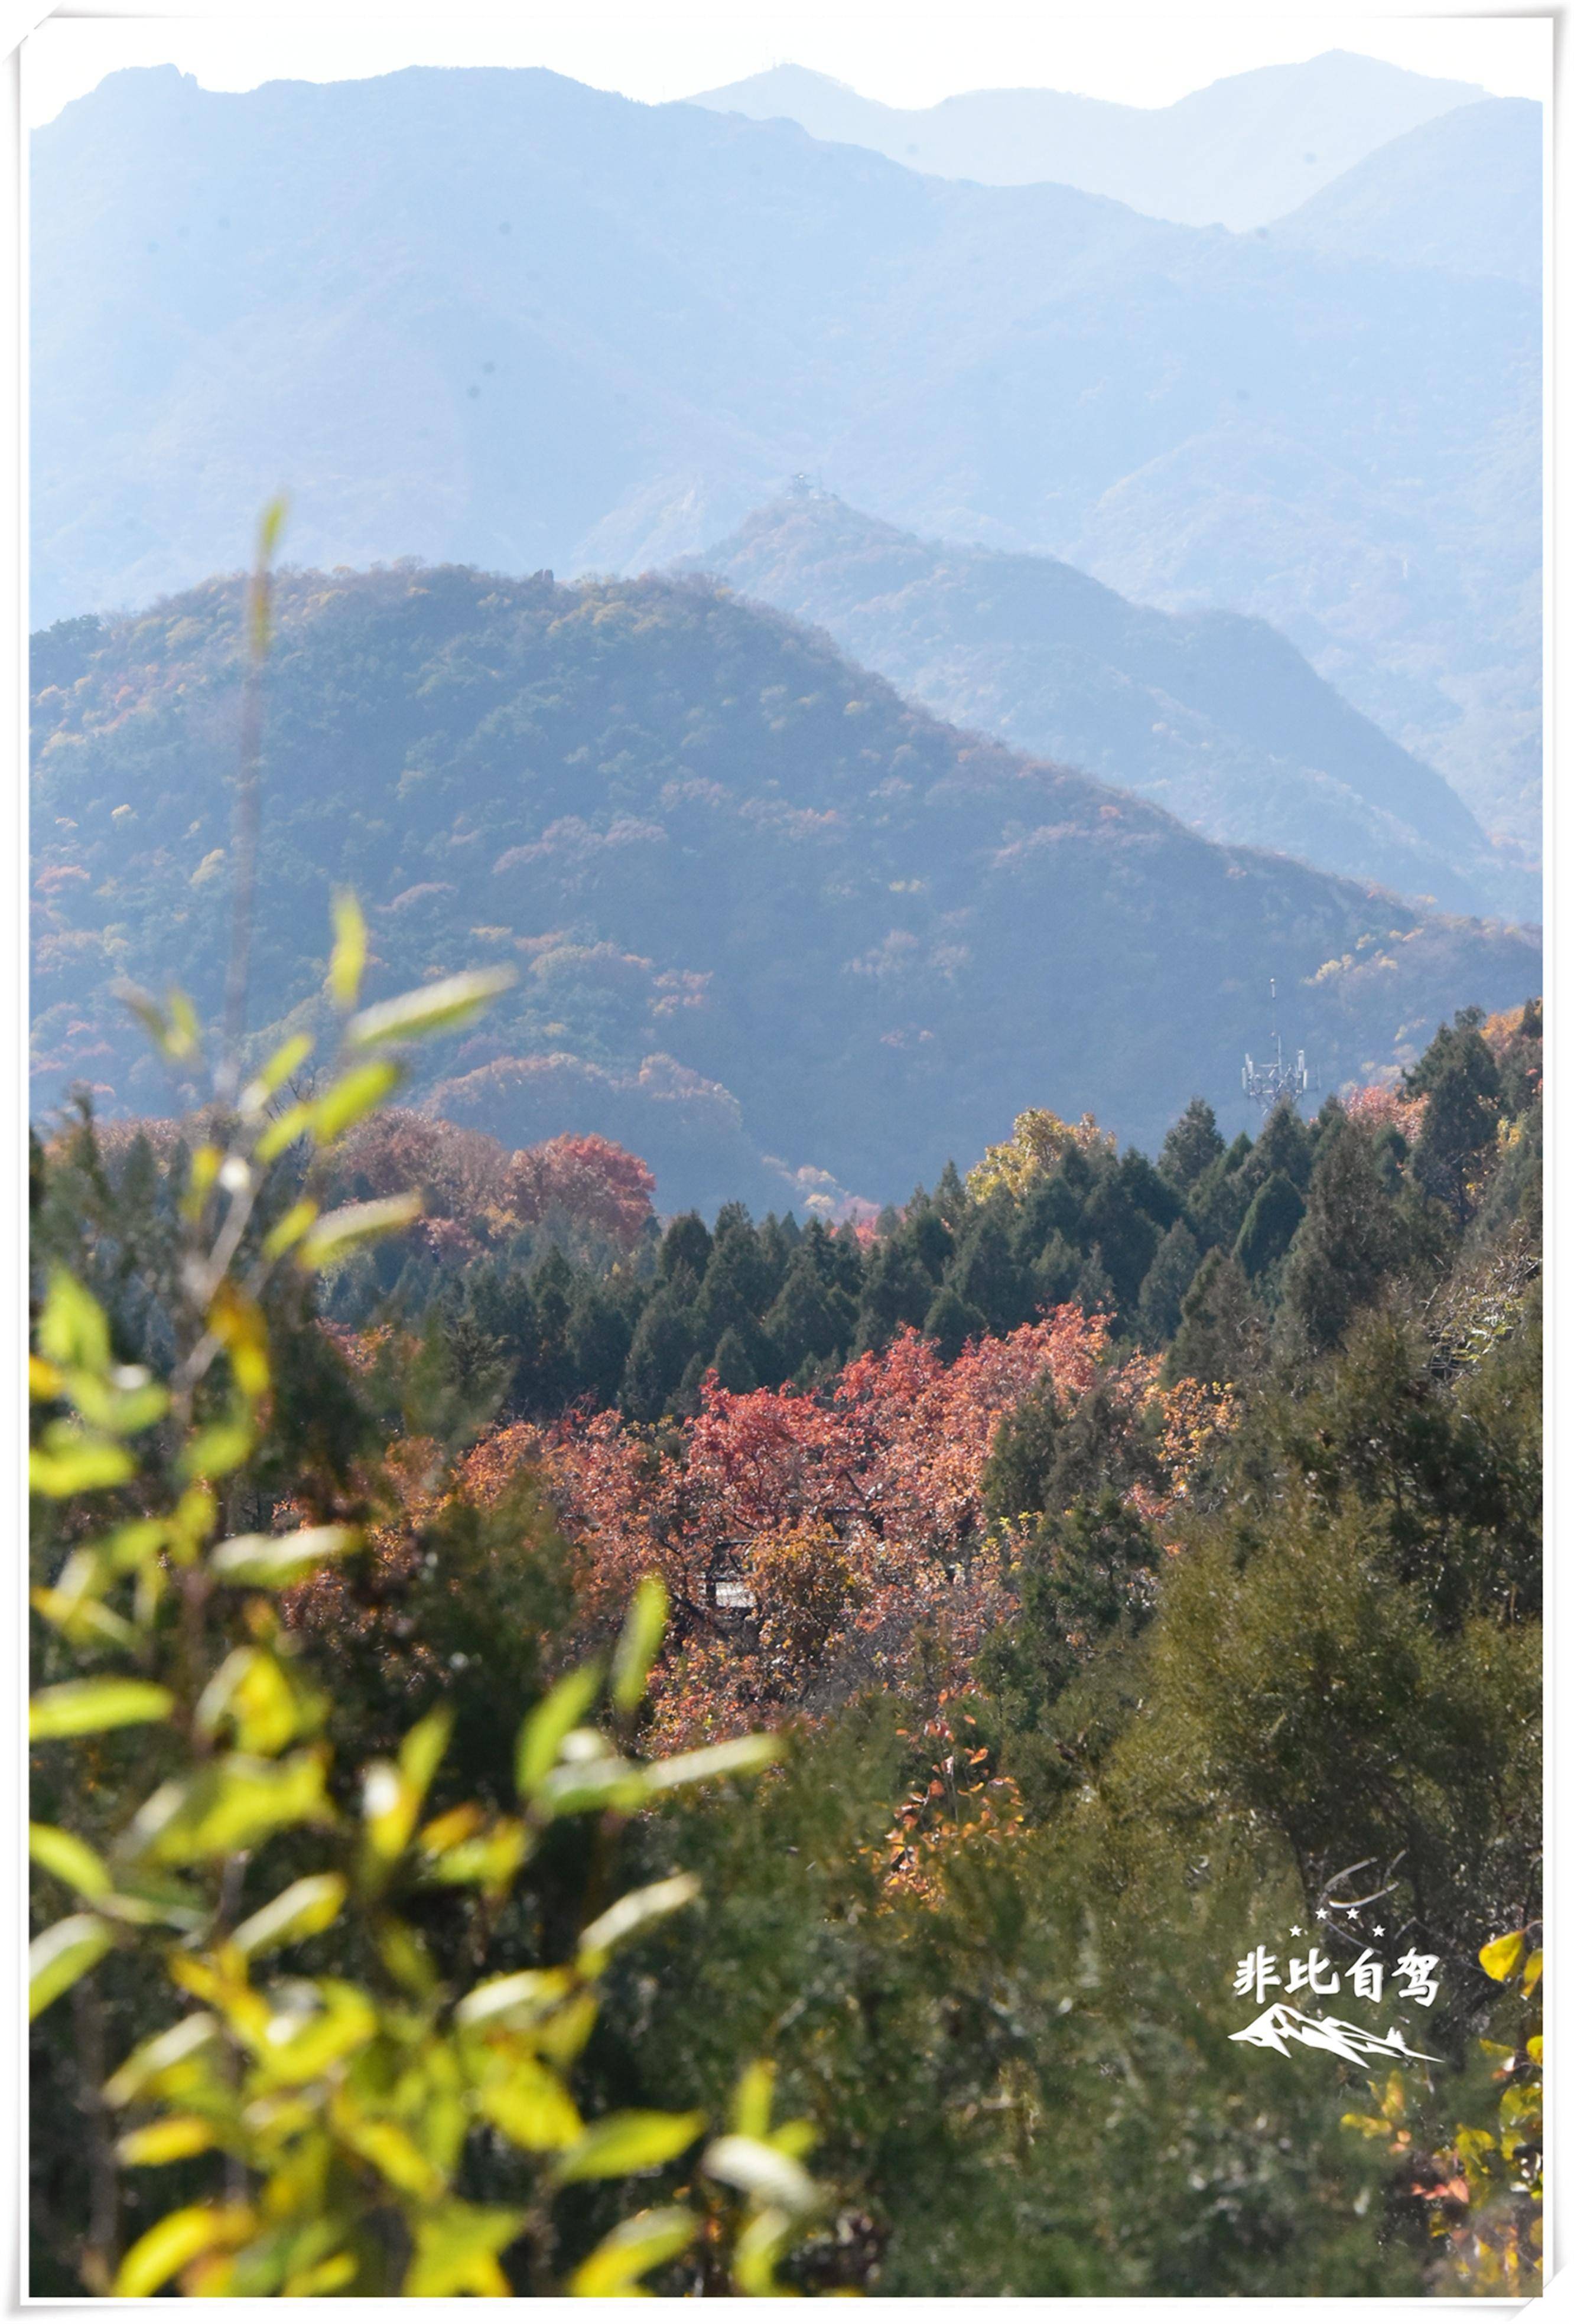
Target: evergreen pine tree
[[685, 1244], [1055, 1272], [599, 1335], [950, 1322], [950, 1196], [663, 1341], [1458, 1078], [1269, 1226], [984, 1274], [807, 1318], [1190, 1145], [1094, 1293], [734, 1368], [897, 1290], [1166, 1284], [1345, 1246], [1221, 1338], [1022, 1453]]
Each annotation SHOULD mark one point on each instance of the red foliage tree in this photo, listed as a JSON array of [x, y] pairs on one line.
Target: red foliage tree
[[812, 1544], [585, 1183]]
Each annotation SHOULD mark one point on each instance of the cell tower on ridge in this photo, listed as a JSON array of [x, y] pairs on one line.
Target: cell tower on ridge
[[1274, 1079]]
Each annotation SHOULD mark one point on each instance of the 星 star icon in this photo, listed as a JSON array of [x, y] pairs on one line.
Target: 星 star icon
[[1296, 1930]]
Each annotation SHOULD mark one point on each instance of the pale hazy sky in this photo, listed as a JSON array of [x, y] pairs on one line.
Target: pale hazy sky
[[904, 52]]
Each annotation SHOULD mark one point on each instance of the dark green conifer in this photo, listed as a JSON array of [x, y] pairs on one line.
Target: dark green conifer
[[1166, 1284], [1345, 1246], [1190, 1145], [1459, 1080], [1269, 1226], [950, 1322], [1221, 1339]]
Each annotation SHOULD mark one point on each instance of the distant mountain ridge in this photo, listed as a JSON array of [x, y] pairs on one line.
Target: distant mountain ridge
[[1215, 716], [498, 317], [1237, 153], [773, 929], [1462, 193]]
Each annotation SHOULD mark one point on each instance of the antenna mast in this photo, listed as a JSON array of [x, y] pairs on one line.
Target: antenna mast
[[1270, 1082]]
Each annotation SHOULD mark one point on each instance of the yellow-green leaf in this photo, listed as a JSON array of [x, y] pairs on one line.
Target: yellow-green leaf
[[434, 1007], [744, 1757], [531, 2106], [348, 963], [185, 1033], [162, 2055], [621, 2145], [259, 1561], [455, 2250], [71, 1860], [517, 2001], [321, 2023], [389, 2148], [287, 1232], [302, 1910], [557, 1712], [284, 1130], [751, 2105], [581, 1786], [761, 2170], [172, 2140], [420, 1753], [70, 1461], [1503, 1956], [636, 1911], [176, 2241], [283, 1061], [215, 1451], [86, 1706], [644, 1627], [758, 2249], [341, 1231], [1531, 1977], [58, 1957], [73, 1330], [266, 1704], [352, 1097], [232, 1803], [633, 2249]]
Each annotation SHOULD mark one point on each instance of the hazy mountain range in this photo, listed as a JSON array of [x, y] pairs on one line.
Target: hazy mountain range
[[1463, 192], [1216, 716], [1237, 154], [496, 316], [775, 929]]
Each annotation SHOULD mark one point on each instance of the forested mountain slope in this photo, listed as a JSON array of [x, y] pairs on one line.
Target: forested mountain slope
[[760, 907], [1215, 716], [500, 318]]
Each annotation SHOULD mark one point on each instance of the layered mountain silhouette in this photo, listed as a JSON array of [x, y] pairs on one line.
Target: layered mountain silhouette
[[1279, 2024], [1462, 193], [774, 928], [499, 318], [1216, 716], [1237, 153]]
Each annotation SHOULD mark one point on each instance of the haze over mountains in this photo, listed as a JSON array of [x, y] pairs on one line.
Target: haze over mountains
[[1463, 192], [499, 318], [1217, 717], [1237, 153], [760, 907]]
